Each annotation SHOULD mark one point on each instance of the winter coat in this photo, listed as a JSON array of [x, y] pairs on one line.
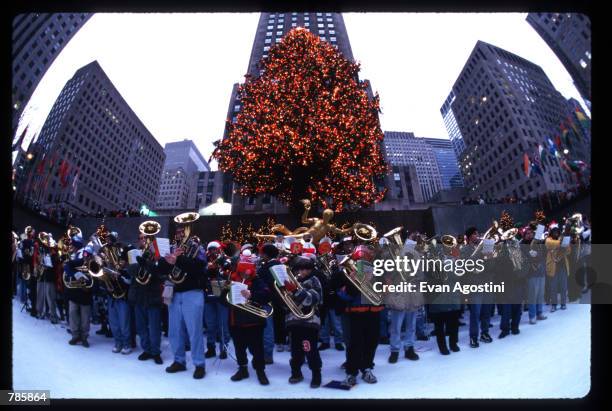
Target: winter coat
[[403, 301], [534, 266], [148, 295], [353, 299], [445, 301], [308, 296], [195, 269], [555, 256]]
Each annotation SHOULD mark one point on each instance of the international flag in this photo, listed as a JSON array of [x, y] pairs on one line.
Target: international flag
[[526, 165], [63, 173], [584, 121]]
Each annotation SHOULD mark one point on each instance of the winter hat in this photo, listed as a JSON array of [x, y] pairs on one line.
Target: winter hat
[[245, 247], [269, 250], [303, 262], [213, 244]]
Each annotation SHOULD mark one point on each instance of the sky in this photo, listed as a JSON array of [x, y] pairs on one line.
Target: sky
[[176, 71]]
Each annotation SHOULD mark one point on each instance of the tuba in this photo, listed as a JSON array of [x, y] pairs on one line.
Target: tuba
[[364, 232], [96, 269], [287, 297], [189, 244], [251, 307], [395, 246], [80, 283], [493, 233], [351, 272], [149, 229]]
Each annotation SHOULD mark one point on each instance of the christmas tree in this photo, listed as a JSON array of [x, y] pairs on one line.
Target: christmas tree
[[306, 129]]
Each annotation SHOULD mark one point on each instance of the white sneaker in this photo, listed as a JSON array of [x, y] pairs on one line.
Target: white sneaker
[[126, 350], [116, 349], [280, 347], [350, 380]]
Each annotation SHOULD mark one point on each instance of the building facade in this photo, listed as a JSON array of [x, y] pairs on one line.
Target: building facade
[[38, 38], [183, 164], [569, 37], [507, 107], [93, 153], [404, 149], [447, 162], [450, 122]]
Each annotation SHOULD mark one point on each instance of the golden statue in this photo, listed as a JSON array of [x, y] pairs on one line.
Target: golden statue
[[319, 227]]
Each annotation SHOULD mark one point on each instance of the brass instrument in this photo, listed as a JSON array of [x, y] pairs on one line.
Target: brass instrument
[[15, 245], [287, 297], [364, 232], [325, 262], [79, 283], [449, 241], [149, 229], [110, 277], [350, 270], [251, 307], [492, 233], [395, 246], [189, 244]]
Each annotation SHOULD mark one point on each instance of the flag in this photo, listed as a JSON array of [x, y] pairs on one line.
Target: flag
[[20, 140], [564, 130], [41, 165], [156, 248], [526, 165], [63, 173], [75, 182], [551, 146], [537, 160], [584, 121], [573, 125]]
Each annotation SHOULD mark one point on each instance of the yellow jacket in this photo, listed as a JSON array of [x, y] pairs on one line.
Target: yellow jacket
[[556, 254]]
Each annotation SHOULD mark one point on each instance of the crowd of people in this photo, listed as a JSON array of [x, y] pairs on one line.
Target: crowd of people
[[550, 200], [298, 290]]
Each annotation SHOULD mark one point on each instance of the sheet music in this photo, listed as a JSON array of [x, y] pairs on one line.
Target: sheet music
[[539, 234], [47, 261], [132, 254], [235, 292], [163, 245], [565, 242], [279, 272]]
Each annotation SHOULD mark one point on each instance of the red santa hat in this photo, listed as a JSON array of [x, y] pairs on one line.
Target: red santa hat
[[214, 244]]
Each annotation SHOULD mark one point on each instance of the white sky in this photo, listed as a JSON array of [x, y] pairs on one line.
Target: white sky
[[176, 71]]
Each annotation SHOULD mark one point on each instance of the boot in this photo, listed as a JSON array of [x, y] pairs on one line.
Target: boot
[[74, 340], [410, 354], [145, 356], [158, 359], [474, 342], [515, 331], [85, 343], [175, 367], [241, 374], [296, 376], [485, 337], [441, 340], [393, 357], [324, 346], [452, 343], [339, 346], [223, 354], [316, 379], [210, 352], [503, 334], [261, 377], [350, 380], [199, 373], [368, 376]]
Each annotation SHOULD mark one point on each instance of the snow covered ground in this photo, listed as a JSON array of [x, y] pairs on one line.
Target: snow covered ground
[[548, 360]]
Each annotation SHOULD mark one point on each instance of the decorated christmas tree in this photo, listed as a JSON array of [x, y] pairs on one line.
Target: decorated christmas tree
[[306, 129]]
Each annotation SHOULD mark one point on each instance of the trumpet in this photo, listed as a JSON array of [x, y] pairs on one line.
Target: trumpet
[[190, 244], [350, 270], [287, 297], [149, 229]]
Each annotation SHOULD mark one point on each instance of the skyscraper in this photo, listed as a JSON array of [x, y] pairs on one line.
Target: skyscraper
[[180, 175], [451, 125], [93, 153], [506, 107], [404, 149], [38, 38], [447, 162], [569, 37], [270, 30]]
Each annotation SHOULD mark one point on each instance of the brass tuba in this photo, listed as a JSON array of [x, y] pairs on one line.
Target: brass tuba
[[149, 229], [350, 270], [395, 246], [96, 268], [189, 244], [287, 297], [364, 232], [79, 283], [251, 307]]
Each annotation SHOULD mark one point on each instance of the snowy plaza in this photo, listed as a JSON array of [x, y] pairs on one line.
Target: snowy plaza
[[550, 359]]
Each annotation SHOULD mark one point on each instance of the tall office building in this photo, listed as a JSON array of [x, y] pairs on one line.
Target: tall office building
[[93, 153], [404, 149], [180, 175], [270, 30], [38, 38], [505, 107], [569, 37], [447, 162], [452, 127]]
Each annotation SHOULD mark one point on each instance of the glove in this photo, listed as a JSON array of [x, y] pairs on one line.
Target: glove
[[533, 253], [290, 286], [79, 275]]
